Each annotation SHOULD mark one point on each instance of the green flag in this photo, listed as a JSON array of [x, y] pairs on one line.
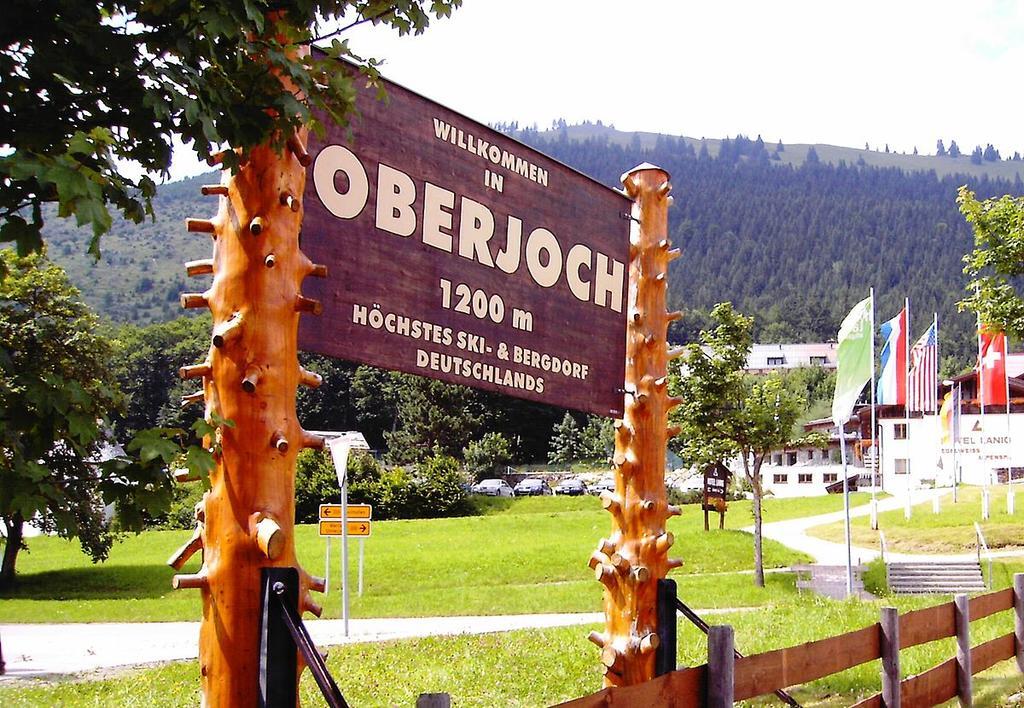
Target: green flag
[[856, 349]]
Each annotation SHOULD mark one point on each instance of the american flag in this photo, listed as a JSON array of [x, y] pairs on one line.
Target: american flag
[[922, 380]]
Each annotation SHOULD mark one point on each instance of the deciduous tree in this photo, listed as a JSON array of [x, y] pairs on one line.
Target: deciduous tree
[[56, 397], [727, 414], [90, 84], [997, 261]]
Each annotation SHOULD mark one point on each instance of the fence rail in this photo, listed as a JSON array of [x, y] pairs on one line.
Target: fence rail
[[765, 673]]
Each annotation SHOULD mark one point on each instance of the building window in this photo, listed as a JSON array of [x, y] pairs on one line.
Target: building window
[[830, 477], [900, 431], [804, 478], [776, 360], [777, 460], [780, 479], [902, 466], [824, 455], [818, 361], [790, 458]]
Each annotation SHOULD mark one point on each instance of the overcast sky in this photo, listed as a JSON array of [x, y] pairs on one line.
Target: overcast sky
[[901, 72]]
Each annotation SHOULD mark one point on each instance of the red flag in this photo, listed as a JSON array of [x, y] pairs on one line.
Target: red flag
[[993, 368]]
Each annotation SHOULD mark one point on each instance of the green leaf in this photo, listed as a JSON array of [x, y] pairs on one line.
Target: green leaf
[[155, 443], [199, 461]]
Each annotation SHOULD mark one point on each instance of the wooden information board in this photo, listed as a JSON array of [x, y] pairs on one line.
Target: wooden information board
[[458, 253]]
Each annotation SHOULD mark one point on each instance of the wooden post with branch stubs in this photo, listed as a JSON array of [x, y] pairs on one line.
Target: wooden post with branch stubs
[[634, 557], [246, 520]]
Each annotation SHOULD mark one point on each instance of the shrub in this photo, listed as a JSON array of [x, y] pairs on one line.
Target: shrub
[[440, 489], [181, 514], [875, 581], [484, 455], [316, 483]]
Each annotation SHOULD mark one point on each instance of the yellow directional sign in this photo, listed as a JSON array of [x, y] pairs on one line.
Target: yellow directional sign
[[355, 528], [355, 511]]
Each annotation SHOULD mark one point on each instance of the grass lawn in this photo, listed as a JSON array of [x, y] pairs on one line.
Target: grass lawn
[[541, 667], [949, 531], [526, 556]]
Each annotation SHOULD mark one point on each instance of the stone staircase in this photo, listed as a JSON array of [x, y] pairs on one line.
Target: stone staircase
[[935, 578]]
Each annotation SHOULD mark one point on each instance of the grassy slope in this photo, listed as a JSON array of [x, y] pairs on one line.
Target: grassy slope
[[950, 531], [529, 557]]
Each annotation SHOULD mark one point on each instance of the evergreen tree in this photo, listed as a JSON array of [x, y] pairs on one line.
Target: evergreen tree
[[812, 156], [780, 147], [954, 149], [991, 154], [977, 156], [940, 149], [566, 442]]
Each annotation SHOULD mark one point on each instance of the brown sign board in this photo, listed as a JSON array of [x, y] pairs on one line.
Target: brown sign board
[[716, 481], [458, 253]]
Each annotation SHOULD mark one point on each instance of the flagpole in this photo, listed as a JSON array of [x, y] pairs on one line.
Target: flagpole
[[954, 424], [935, 387], [906, 396], [874, 434], [846, 511], [981, 395]]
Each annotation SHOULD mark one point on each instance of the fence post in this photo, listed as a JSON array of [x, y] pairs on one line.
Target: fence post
[[890, 646], [1018, 617], [963, 648], [721, 664], [278, 679], [665, 654]]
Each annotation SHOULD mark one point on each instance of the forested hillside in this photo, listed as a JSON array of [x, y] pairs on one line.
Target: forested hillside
[[797, 246], [793, 244]]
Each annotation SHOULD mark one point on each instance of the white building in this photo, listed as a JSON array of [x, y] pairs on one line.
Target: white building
[[914, 455], [765, 358]]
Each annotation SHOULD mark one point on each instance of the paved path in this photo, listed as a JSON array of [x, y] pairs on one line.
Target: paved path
[[793, 533], [49, 650]]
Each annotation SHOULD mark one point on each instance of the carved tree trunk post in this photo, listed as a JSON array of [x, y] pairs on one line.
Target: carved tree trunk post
[[632, 559], [246, 520]]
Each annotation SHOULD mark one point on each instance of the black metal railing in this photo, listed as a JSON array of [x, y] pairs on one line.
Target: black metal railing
[[665, 656], [282, 636]]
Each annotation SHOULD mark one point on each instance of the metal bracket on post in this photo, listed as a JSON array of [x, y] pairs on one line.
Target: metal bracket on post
[[278, 678], [665, 654], [282, 636]]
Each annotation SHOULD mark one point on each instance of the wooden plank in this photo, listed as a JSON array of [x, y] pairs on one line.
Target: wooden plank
[[889, 648], [927, 625], [763, 673], [935, 686], [721, 667], [988, 654], [681, 688], [874, 701], [1018, 617], [964, 687], [983, 606]]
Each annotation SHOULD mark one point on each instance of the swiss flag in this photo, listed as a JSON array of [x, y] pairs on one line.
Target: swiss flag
[[993, 368]]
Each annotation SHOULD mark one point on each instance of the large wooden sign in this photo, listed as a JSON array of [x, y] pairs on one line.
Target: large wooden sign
[[458, 253]]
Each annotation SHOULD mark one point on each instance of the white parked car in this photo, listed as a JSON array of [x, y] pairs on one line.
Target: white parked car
[[493, 488]]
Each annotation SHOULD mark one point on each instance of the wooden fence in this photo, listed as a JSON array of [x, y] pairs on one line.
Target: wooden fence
[[725, 679]]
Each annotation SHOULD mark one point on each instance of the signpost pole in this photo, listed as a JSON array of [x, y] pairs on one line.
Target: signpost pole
[[344, 551], [340, 447], [362, 552], [327, 566], [635, 556]]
